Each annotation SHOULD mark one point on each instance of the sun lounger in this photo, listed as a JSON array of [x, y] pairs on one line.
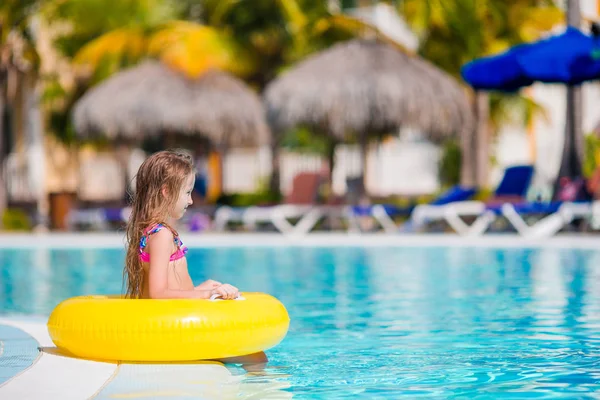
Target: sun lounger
[[558, 215], [512, 189], [384, 213], [301, 204]]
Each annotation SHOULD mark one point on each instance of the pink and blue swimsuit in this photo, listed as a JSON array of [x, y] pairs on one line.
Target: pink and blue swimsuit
[[179, 253]]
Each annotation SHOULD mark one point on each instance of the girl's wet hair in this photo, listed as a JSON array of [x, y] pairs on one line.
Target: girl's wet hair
[[157, 186]]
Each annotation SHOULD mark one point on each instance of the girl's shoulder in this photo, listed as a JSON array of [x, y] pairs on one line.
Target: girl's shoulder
[[153, 230]]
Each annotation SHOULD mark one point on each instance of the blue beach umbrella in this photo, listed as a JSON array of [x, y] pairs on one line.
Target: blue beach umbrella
[[571, 58], [500, 72]]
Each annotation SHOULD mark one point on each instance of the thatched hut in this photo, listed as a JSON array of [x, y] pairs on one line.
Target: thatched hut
[[362, 88], [151, 98]]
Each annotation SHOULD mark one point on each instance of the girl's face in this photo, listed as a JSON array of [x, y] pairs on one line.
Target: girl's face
[[184, 198]]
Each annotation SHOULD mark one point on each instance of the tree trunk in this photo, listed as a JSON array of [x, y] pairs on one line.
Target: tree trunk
[[468, 154], [570, 165], [2, 151], [572, 154], [482, 155]]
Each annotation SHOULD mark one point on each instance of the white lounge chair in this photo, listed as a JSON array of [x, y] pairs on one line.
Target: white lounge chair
[[512, 187], [556, 220], [453, 214], [300, 204]]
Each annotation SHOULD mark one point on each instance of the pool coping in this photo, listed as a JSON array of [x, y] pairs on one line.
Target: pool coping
[[200, 240], [55, 375]]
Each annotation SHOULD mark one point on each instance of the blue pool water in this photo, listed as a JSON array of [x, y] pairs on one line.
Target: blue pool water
[[384, 323], [18, 351]]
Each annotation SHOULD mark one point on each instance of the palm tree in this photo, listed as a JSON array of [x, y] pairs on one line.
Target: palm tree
[[18, 58]]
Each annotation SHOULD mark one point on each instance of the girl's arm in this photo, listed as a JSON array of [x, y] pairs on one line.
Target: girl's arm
[[160, 246], [207, 285]]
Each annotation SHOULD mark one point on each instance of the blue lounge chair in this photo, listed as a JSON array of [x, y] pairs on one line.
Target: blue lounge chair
[[384, 213], [514, 185], [512, 189], [556, 214]]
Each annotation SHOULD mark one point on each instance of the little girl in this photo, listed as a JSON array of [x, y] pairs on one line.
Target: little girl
[[155, 267]]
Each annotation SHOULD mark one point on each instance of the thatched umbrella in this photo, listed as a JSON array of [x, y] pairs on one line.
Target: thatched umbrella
[[151, 99], [365, 87]]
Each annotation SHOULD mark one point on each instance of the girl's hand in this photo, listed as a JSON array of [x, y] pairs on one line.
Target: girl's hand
[[226, 291], [208, 285]]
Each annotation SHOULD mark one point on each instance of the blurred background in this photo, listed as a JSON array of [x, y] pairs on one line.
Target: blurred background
[[370, 97]]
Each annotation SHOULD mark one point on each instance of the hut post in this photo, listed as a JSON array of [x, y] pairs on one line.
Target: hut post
[[169, 139], [331, 146], [222, 150], [364, 153], [274, 181], [123, 153]]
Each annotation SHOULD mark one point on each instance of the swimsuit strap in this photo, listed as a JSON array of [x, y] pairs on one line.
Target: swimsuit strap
[[179, 253]]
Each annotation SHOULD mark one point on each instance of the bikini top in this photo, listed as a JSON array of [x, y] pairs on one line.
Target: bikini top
[[179, 253]]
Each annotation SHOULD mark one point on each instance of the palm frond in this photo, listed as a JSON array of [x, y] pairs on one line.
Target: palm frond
[[195, 49]]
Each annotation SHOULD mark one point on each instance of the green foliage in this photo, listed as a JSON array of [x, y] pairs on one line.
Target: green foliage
[[15, 220], [261, 198], [89, 19], [303, 140], [450, 163], [591, 157], [279, 32]]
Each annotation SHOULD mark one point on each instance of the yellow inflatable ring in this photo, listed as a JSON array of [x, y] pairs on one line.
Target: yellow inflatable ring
[[116, 329]]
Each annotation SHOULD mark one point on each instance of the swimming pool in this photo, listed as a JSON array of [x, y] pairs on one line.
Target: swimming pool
[[383, 322]]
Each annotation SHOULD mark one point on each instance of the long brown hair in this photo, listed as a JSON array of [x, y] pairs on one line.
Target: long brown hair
[[163, 170]]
